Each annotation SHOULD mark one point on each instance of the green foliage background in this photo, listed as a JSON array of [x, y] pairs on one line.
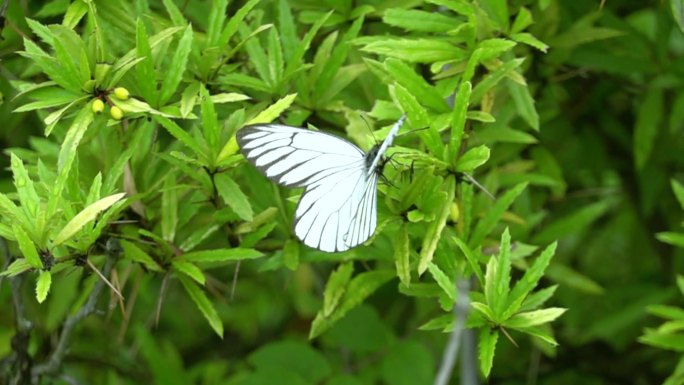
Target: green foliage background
[[570, 112]]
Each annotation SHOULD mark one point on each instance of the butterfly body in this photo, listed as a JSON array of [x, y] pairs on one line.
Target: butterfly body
[[337, 210]]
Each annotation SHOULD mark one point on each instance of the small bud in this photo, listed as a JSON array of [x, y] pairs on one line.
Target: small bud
[[116, 113], [121, 93], [98, 106]]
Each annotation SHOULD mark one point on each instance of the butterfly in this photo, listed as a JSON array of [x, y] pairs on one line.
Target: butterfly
[[337, 210]]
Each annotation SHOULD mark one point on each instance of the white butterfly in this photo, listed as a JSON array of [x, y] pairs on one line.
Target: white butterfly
[[337, 210]]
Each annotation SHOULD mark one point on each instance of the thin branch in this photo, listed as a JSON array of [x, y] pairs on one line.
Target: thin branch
[[54, 363], [451, 350], [235, 278]]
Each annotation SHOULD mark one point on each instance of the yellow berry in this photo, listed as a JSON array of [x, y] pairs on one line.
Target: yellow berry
[[98, 106], [116, 113], [121, 93]]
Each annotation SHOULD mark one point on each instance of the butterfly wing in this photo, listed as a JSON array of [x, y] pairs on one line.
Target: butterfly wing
[[337, 209], [294, 157]]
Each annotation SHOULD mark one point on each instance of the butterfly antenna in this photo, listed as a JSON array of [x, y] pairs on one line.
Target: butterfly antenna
[[472, 180], [363, 117]]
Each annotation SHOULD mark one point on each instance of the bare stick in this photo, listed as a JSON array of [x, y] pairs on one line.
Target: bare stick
[[235, 278], [451, 350], [54, 363]]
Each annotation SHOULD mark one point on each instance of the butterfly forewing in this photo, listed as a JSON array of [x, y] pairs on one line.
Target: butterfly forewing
[[337, 210]]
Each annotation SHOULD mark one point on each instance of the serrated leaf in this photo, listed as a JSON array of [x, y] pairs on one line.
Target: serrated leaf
[[434, 230], [136, 254], [27, 247], [221, 255], [497, 281], [335, 287], [458, 121], [174, 74], [416, 114], [144, 70], [43, 286], [672, 238], [233, 196], [472, 159], [25, 189], [531, 40], [359, 288], [169, 208], [416, 50], [487, 224], [524, 103], [180, 134], [189, 269], [493, 78], [417, 20], [447, 285], [487, 347], [529, 280], [200, 299], [649, 116], [87, 215], [534, 318], [274, 110], [678, 190], [17, 267], [677, 7], [572, 223], [416, 85], [402, 255]]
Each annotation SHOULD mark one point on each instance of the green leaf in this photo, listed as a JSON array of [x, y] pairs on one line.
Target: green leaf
[[487, 346], [357, 291], [498, 278], [43, 286], [571, 278], [402, 255], [27, 248], [531, 40], [25, 189], [11, 212], [67, 152], [73, 15], [678, 190], [416, 50], [175, 13], [487, 224], [174, 74], [416, 114], [274, 110], [232, 25], [458, 121], [443, 281], [275, 55], [677, 7], [210, 125], [649, 117], [572, 223], [169, 208], [180, 134], [433, 232], [472, 159], [416, 85], [189, 269], [144, 70], [522, 20], [200, 299], [49, 97], [217, 16], [228, 97], [17, 267], [220, 255], [136, 254], [524, 103], [295, 62], [492, 79], [529, 280], [335, 287], [87, 215], [233, 196], [472, 260], [535, 299], [421, 21], [337, 58], [672, 238], [534, 318]]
